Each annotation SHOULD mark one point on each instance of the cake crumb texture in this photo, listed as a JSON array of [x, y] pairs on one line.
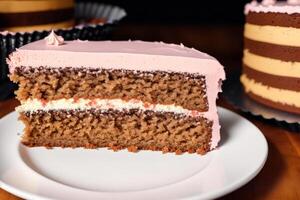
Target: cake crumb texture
[[186, 90], [128, 129]]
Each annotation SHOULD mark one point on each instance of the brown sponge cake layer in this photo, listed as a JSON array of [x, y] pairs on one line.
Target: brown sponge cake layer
[[280, 52], [186, 90], [274, 19], [132, 129]]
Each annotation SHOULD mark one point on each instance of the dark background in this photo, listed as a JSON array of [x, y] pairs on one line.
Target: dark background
[[214, 27], [178, 12]]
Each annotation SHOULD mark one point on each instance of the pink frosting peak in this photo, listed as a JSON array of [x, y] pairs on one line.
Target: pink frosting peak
[[53, 39]]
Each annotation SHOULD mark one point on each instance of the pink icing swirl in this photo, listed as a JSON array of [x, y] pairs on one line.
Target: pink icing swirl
[[53, 39]]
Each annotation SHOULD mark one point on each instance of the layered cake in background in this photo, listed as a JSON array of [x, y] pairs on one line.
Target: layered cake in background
[[123, 94], [33, 15], [271, 63]]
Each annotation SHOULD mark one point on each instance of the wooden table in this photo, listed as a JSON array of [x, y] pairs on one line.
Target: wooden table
[[280, 178]]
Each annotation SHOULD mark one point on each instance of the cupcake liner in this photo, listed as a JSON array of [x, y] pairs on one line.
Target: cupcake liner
[[107, 17], [234, 93]]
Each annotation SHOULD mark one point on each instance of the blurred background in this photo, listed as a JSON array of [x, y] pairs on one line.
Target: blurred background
[[178, 12], [215, 27]]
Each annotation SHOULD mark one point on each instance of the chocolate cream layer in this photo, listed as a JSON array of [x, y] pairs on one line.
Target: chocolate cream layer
[[274, 19], [282, 82], [280, 52]]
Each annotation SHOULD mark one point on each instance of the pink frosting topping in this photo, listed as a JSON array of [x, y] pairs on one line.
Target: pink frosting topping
[[129, 55], [53, 39], [129, 47], [289, 7]]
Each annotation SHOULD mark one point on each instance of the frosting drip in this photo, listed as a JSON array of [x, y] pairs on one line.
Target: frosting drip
[[53, 39]]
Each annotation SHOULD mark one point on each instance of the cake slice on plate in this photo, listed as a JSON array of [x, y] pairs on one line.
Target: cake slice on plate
[[117, 94]]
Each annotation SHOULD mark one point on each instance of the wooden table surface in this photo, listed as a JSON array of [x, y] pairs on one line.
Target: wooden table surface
[[280, 177]]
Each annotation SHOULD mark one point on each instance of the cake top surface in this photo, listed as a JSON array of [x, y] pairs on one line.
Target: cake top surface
[[54, 52], [127, 47], [288, 7]]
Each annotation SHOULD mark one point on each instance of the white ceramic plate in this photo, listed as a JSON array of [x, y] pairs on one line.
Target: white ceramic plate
[[38, 173]]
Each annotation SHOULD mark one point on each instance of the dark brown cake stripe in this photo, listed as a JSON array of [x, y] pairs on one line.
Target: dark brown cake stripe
[[280, 106], [35, 18], [280, 52], [282, 82], [274, 19]]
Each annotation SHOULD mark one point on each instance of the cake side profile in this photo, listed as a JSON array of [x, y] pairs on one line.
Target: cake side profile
[[271, 62], [28, 15], [122, 94]]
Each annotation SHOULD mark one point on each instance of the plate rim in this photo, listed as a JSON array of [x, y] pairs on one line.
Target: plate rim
[[247, 178]]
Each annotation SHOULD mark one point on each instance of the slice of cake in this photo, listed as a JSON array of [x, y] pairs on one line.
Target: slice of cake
[[123, 94], [271, 64]]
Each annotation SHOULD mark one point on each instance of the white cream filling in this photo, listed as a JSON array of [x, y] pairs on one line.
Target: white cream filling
[[32, 105]]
